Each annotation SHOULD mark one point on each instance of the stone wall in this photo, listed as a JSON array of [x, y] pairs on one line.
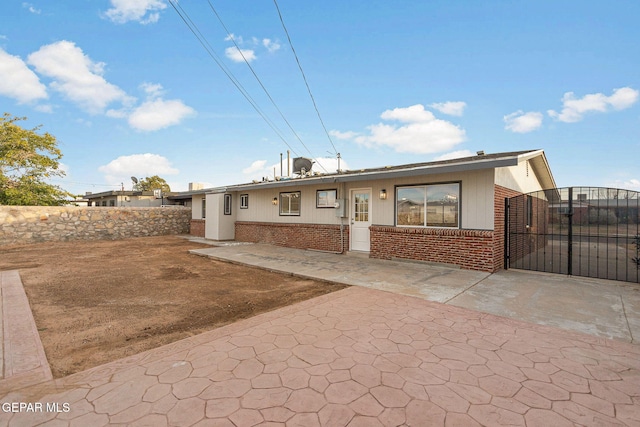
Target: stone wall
[[31, 224]]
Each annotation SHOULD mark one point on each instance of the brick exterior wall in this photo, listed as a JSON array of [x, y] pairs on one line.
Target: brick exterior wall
[[197, 227], [470, 249], [525, 238], [499, 194], [301, 236]]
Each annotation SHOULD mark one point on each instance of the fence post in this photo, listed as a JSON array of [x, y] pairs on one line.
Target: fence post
[[570, 233], [506, 233]]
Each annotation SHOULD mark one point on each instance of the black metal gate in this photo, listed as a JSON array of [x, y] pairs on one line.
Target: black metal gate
[[581, 231]]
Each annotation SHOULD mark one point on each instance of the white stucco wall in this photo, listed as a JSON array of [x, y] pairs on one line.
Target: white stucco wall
[[521, 178], [476, 198], [196, 206], [219, 226], [261, 207], [476, 209]]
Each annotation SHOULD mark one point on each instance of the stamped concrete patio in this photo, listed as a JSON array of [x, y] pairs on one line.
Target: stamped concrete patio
[[358, 356]]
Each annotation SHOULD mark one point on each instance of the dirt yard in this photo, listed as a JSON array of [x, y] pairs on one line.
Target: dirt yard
[[98, 301]]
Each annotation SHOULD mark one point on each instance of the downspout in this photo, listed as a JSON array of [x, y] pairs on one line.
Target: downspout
[[342, 218]]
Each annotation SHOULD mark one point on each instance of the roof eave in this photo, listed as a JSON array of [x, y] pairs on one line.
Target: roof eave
[[361, 176], [541, 166]]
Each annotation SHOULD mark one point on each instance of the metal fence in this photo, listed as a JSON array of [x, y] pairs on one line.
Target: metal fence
[[581, 231]]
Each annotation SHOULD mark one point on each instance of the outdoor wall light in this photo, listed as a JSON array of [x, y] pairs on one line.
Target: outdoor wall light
[[383, 194], [274, 201]]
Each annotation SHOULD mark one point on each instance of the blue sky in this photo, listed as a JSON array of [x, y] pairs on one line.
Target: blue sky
[[128, 90]]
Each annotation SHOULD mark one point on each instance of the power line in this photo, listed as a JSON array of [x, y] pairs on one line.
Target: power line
[[304, 77], [64, 181], [207, 47], [232, 38]]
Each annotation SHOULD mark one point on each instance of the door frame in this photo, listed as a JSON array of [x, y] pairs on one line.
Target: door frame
[[352, 191]]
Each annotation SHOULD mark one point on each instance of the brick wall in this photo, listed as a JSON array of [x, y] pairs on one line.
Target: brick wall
[[470, 249], [32, 224], [197, 227], [302, 236], [499, 194], [524, 238]]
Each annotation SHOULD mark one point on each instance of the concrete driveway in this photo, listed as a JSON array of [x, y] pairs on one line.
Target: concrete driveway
[[355, 357], [597, 307]]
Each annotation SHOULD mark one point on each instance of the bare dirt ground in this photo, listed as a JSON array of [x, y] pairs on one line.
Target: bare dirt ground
[[98, 301]]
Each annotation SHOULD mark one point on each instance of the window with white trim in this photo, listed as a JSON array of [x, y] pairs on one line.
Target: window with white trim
[[244, 201], [290, 203], [432, 205], [227, 204]]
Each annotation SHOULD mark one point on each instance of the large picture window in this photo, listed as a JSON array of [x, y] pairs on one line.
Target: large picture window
[[290, 203], [436, 205]]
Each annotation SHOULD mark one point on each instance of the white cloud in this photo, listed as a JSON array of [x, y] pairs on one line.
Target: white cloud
[[236, 55], [271, 45], [232, 36], [575, 108], [152, 90], [17, 81], [248, 48], [343, 135], [630, 184], [452, 108], [76, 76], [138, 165], [256, 166], [454, 155], [155, 113], [623, 98], [329, 165], [31, 8], [423, 133], [158, 114], [521, 122], [142, 11]]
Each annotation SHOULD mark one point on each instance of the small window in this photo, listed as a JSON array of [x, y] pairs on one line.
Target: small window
[[112, 202], [104, 203], [227, 204], [204, 208], [244, 201], [326, 198], [290, 203]]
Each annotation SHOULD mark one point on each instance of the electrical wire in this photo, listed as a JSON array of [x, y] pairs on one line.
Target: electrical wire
[[64, 181], [232, 38], [207, 46], [304, 77]]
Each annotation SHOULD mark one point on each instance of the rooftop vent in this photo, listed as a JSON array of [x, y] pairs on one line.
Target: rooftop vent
[[480, 153]]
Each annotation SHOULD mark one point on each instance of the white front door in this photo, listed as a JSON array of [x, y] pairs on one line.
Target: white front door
[[360, 217]]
